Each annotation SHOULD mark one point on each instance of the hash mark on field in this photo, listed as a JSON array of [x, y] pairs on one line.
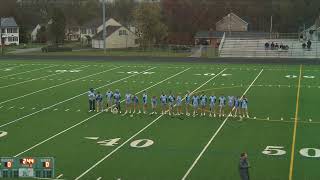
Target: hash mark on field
[[59, 176], [99, 178], [33, 108], [22, 108], [55, 109], [67, 110], [78, 110], [11, 107]]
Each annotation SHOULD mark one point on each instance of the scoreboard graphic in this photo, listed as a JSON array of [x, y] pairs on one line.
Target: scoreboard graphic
[[27, 167]]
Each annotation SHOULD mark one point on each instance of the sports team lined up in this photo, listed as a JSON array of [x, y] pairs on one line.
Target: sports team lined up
[[169, 104]]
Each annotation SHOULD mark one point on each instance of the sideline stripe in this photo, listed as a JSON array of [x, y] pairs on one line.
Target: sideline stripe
[[216, 133], [295, 127], [48, 107], [75, 125], [22, 82], [19, 97], [136, 134], [28, 71]]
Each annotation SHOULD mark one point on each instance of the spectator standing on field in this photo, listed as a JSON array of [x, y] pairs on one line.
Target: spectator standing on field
[[244, 167], [92, 100]]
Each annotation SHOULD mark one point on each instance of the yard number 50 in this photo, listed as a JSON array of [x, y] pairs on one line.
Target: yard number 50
[[278, 151]]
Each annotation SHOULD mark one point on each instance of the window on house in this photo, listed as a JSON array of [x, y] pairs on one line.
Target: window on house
[[15, 38], [123, 32], [3, 30], [10, 39], [94, 31]]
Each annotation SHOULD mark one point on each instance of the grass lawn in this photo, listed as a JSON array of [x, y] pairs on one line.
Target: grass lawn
[[44, 113]]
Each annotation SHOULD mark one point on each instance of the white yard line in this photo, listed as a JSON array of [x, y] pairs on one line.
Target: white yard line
[[48, 107], [75, 125], [12, 67], [28, 71], [41, 90], [136, 134], [59, 176], [216, 133], [22, 82]]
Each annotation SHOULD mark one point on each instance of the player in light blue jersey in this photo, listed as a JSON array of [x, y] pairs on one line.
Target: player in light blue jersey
[[136, 105], [154, 103], [245, 107], [222, 105], [237, 106], [231, 102], [163, 101], [195, 103], [188, 100], [212, 100], [117, 99], [171, 100], [99, 102], [109, 96], [128, 103], [203, 103], [144, 102], [179, 104]]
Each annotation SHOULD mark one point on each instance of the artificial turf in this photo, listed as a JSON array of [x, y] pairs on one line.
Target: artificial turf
[[44, 110]]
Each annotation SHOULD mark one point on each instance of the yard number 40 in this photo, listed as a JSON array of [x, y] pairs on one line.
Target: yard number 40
[[279, 151], [140, 143]]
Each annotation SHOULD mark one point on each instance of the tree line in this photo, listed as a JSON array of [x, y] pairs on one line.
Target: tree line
[[156, 23]]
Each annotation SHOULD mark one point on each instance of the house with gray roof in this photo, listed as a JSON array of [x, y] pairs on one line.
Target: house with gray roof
[[117, 37], [9, 31]]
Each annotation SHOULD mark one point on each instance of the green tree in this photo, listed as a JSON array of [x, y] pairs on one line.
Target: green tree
[[42, 35], [149, 24], [56, 29]]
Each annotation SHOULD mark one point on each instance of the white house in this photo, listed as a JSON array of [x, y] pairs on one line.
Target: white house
[[109, 22], [231, 22], [9, 31], [117, 37], [34, 32]]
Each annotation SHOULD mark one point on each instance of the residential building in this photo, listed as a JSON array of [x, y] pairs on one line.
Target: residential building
[[232, 22], [9, 31], [117, 37]]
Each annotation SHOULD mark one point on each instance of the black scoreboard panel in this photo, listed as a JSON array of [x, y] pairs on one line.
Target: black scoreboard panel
[[27, 167]]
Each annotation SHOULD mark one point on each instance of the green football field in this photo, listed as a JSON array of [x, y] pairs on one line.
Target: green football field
[[44, 113]]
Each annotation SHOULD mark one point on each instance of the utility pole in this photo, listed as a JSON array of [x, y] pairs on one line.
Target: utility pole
[[104, 26], [271, 26]]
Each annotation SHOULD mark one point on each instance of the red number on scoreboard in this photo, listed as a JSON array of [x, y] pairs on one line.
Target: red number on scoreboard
[[46, 164]]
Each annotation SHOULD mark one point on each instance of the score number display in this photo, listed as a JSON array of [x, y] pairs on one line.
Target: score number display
[[27, 167]]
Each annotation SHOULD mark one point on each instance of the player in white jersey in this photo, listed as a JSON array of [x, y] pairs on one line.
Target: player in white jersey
[[154, 103], [195, 103], [109, 96], [203, 102], [222, 105], [128, 103], [244, 107], [212, 100], [163, 101], [231, 102]]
